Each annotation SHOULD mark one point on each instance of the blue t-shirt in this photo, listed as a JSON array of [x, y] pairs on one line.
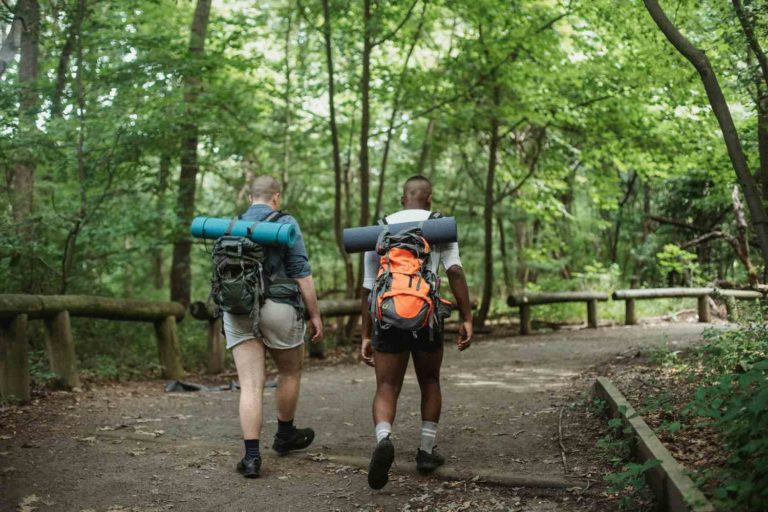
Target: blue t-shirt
[[280, 261]]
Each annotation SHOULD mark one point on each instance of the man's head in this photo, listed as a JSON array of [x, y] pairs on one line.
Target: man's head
[[417, 193], [265, 190]]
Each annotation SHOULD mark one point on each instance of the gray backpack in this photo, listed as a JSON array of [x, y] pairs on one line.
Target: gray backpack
[[237, 283]]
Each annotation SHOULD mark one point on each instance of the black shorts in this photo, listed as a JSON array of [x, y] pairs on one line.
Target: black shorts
[[395, 341]]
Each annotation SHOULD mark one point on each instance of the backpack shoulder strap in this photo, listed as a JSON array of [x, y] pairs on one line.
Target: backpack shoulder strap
[[382, 221], [274, 216], [228, 231], [435, 215]]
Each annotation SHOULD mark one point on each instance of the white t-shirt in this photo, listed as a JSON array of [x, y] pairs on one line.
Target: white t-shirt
[[447, 254]]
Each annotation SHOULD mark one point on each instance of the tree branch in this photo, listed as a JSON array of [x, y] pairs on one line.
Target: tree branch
[[394, 32], [749, 33]]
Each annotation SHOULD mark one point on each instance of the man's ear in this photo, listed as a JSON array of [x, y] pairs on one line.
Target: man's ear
[[402, 200], [250, 198]]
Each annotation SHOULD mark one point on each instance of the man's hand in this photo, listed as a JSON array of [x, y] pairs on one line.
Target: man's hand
[[317, 328], [366, 352], [465, 335]]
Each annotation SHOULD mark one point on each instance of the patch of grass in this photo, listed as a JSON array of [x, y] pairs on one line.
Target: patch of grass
[[628, 478]]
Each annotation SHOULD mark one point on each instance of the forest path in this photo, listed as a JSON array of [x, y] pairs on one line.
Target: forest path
[[502, 407]]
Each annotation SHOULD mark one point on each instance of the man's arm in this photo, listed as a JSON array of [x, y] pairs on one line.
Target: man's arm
[[308, 294], [366, 349], [460, 291]]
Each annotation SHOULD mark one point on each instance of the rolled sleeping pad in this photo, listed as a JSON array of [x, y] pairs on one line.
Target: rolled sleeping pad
[[265, 233], [436, 231]]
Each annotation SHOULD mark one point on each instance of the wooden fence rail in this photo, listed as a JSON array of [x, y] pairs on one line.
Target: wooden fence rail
[[56, 311], [216, 343], [525, 300], [702, 295]]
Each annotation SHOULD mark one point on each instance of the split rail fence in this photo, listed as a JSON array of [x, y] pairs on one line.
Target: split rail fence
[[525, 301]]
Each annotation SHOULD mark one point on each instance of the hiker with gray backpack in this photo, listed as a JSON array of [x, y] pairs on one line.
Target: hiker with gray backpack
[[263, 292], [402, 317]]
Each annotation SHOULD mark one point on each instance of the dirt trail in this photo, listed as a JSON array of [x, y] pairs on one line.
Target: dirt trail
[[502, 404]]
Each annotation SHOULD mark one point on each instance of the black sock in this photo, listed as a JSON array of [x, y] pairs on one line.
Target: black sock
[[285, 428], [251, 448]]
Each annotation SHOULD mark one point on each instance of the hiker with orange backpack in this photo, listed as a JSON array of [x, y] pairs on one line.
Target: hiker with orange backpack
[[402, 317]]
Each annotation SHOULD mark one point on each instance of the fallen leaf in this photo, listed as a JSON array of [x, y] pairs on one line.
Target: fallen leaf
[[26, 503]]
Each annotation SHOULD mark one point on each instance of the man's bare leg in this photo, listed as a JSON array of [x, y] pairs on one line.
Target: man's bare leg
[[289, 363], [390, 370], [427, 366], [249, 360]]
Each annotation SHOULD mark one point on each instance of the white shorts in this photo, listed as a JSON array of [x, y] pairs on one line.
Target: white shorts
[[280, 326]]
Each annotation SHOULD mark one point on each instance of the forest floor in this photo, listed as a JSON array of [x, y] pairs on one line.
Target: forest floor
[[133, 447]]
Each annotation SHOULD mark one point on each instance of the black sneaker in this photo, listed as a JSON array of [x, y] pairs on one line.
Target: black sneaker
[[381, 461], [301, 438], [250, 468], [428, 462]]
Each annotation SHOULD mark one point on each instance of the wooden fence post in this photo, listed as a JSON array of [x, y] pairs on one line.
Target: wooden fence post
[[730, 309], [704, 315], [216, 352], [592, 314], [168, 347], [525, 319], [14, 359], [61, 349], [630, 317]]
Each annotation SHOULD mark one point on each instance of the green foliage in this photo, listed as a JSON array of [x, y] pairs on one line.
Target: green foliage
[[598, 131], [673, 259], [628, 478], [737, 405]]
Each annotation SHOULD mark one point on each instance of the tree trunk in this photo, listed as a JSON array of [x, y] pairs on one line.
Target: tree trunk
[[762, 143], [742, 238], [287, 99], [508, 284], [181, 274], [426, 146], [365, 86], [158, 259], [11, 44], [24, 171], [723, 114], [393, 115], [490, 181], [337, 170], [73, 35]]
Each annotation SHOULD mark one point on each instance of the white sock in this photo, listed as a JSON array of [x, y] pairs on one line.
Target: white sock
[[428, 435], [383, 429]]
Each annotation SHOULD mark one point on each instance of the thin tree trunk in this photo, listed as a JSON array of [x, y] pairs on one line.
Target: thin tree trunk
[[490, 181], [24, 171], [287, 117], [742, 238], [426, 146], [68, 258], [521, 241], [73, 35], [508, 285], [365, 120], [762, 143], [393, 115], [11, 43], [181, 274], [158, 259], [723, 114], [337, 170]]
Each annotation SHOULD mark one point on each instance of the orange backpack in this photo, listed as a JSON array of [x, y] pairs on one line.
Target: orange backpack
[[405, 292]]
